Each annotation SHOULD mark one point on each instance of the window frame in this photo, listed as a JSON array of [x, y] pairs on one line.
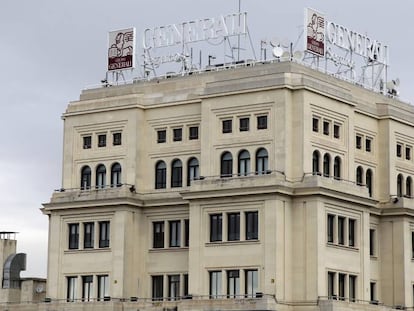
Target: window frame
[[193, 132], [244, 124], [227, 126], [158, 234], [101, 140], [104, 233], [87, 141], [73, 236], [88, 235], [174, 233], [216, 227], [177, 134], [262, 122], [161, 136], [233, 226], [117, 139], [252, 225]]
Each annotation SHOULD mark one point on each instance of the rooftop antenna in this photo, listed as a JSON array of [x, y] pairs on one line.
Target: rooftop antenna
[[238, 37]]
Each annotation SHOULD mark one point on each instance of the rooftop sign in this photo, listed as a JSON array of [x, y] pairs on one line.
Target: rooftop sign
[[121, 47]]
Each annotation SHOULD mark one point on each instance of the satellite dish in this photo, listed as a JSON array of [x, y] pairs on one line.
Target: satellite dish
[[285, 56], [275, 42], [298, 55], [397, 82], [277, 51]]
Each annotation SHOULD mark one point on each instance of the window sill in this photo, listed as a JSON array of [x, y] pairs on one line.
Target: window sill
[[87, 250], [375, 257], [227, 243], [351, 248], [168, 249]]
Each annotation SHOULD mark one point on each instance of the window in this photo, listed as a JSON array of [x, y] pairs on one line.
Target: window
[[326, 165], [215, 284], [175, 233], [100, 176], [233, 227], [233, 283], [226, 165], [87, 290], [252, 226], [117, 139], [86, 178], [87, 142], [412, 244], [186, 232], [116, 175], [161, 136], [177, 174], [359, 172], [158, 236], [331, 285], [358, 142], [262, 161], [104, 234], [178, 134], [352, 288], [216, 222], [160, 175], [373, 294], [337, 131], [103, 286], [351, 232], [157, 287], [262, 122], [315, 162], [337, 168], [408, 153], [101, 140], [193, 171], [88, 234], [408, 187], [71, 288], [331, 228], [315, 124], [368, 181], [227, 126], [173, 286], [326, 126], [185, 287], [372, 242], [244, 163], [368, 143], [193, 132], [399, 150], [252, 283], [73, 236], [341, 286], [341, 230], [244, 124], [399, 185]]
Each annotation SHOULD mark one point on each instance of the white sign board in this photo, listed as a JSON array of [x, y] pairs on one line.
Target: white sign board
[[315, 33], [121, 49]]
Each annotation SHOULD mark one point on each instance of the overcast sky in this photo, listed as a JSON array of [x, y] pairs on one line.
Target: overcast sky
[[50, 50]]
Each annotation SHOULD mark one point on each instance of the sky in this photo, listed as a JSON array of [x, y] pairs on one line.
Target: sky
[[50, 50]]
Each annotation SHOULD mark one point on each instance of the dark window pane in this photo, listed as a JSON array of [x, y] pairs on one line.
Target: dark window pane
[[330, 228], [226, 165], [216, 227], [87, 142], [157, 287], [73, 236], [161, 136], [86, 178], [88, 235], [341, 230], [351, 232], [326, 126], [337, 129], [399, 150], [244, 124], [315, 124], [233, 226], [186, 232], [102, 140], [158, 234], [193, 132], [117, 139], [358, 142], [104, 234], [175, 233], [227, 126], [160, 175], [252, 226], [177, 174], [261, 122], [177, 134]]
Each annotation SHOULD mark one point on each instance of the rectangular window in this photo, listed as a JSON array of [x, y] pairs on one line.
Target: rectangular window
[[352, 288], [193, 132], [104, 234], [157, 287], [215, 284], [373, 294], [315, 124], [233, 226], [252, 226], [175, 233], [158, 237], [368, 143], [87, 142], [358, 142], [341, 230], [186, 232], [71, 288], [88, 235], [101, 140], [337, 131], [161, 136], [103, 287], [351, 232], [227, 126], [173, 286], [262, 122], [117, 139], [178, 134], [233, 283], [73, 236], [216, 224], [331, 285], [412, 244], [372, 242], [341, 286], [330, 228], [252, 283], [326, 126], [244, 124], [185, 287], [87, 289], [399, 150], [408, 153]]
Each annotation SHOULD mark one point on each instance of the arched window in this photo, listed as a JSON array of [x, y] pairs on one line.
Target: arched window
[[326, 165], [315, 163], [160, 175], [193, 171], [399, 185], [337, 168], [116, 175], [408, 185], [85, 178], [177, 174], [226, 169], [100, 176], [368, 181], [244, 163], [262, 160], [359, 173]]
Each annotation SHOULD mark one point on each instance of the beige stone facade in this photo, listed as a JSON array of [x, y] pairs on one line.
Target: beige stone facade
[[262, 187]]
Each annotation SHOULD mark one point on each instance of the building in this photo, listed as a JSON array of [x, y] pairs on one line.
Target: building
[[261, 186]]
